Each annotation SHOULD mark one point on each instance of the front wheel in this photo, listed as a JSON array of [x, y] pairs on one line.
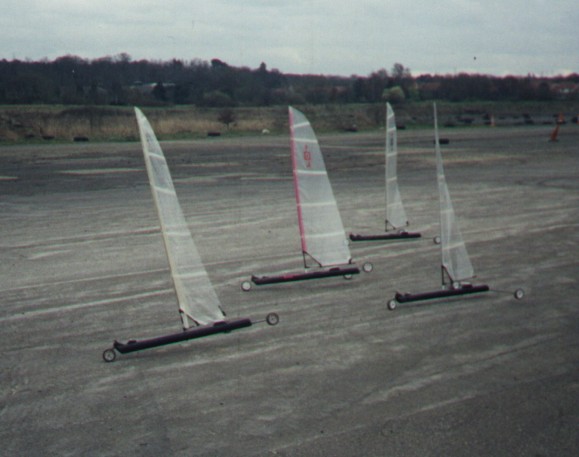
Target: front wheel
[[272, 318], [437, 240], [246, 286], [109, 355], [348, 276], [367, 267], [519, 294], [391, 305]]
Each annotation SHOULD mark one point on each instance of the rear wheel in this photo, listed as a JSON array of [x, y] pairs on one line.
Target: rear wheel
[[348, 276], [109, 355], [272, 318], [391, 305], [519, 294], [367, 267], [245, 286], [436, 240]]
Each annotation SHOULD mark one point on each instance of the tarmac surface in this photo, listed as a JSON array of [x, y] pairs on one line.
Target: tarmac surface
[[83, 264]]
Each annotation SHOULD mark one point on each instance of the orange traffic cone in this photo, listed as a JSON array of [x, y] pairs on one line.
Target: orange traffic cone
[[554, 133], [561, 119]]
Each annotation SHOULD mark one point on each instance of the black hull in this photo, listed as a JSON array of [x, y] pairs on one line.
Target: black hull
[[385, 236], [190, 334], [464, 290], [262, 280]]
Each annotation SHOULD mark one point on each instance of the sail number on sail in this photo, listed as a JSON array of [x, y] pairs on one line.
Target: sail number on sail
[[307, 157]]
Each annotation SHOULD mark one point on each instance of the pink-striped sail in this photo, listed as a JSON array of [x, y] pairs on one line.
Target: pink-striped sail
[[322, 232]]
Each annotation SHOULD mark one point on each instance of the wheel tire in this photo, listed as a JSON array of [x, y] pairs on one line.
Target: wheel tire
[[519, 294], [436, 240], [272, 318], [391, 305], [109, 355], [367, 267], [246, 286], [348, 277]]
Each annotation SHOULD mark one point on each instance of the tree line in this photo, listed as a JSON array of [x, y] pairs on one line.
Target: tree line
[[119, 80]]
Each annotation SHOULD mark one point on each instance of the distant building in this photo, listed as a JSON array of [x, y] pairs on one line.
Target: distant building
[[148, 88], [565, 90]]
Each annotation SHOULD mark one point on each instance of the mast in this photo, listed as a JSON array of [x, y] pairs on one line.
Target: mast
[[395, 214], [294, 153]]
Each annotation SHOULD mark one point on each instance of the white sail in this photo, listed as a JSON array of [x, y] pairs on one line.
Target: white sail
[[395, 214], [322, 233], [455, 258], [195, 294]]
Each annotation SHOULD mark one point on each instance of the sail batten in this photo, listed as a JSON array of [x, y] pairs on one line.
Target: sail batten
[[317, 204], [177, 233], [165, 191], [455, 245], [307, 141], [189, 275], [312, 173], [455, 257], [321, 229], [327, 235], [196, 297]]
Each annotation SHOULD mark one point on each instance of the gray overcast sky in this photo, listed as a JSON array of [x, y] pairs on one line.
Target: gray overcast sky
[[306, 36]]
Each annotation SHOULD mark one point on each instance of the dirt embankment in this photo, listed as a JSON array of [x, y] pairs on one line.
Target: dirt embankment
[[86, 123]]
